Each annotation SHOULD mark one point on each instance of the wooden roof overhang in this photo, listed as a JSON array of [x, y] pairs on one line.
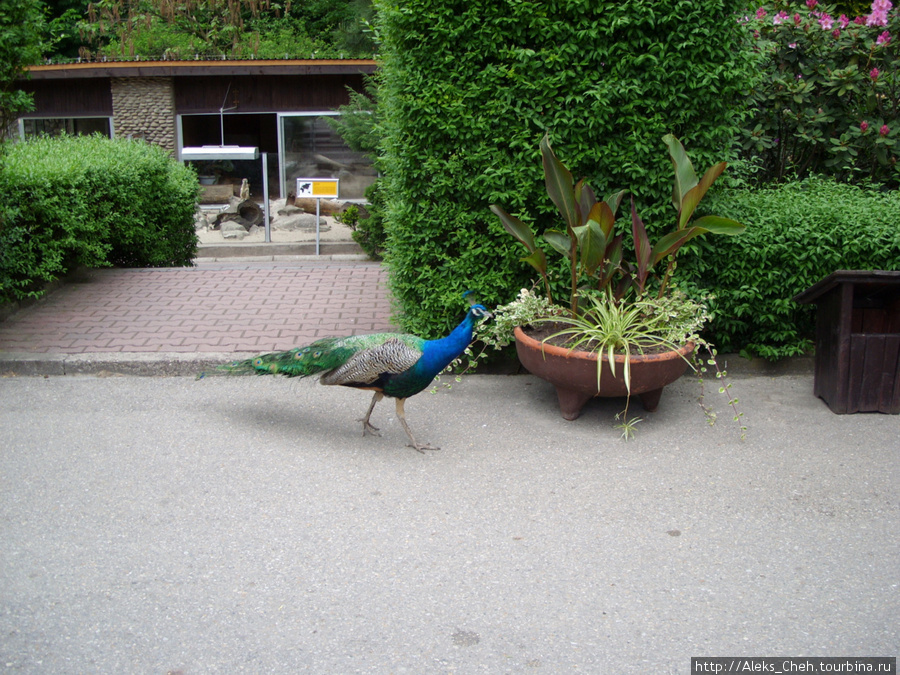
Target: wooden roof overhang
[[123, 69]]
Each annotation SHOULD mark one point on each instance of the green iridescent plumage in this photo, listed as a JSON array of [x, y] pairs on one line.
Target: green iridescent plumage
[[390, 364], [330, 354]]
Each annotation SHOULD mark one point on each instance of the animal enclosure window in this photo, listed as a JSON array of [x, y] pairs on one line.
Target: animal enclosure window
[[312, 149], [74, 126]]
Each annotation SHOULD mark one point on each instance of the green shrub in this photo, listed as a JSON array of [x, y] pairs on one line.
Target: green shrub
[[851, 8], [244, 29], [369, 230], [91, 201], [467, 90], [797, 233]]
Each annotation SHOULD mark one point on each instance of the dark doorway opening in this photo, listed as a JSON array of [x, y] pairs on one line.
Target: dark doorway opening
[[252, 129]]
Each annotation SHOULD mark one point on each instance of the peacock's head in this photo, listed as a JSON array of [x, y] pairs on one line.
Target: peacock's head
[[479, 312], [476, 310]]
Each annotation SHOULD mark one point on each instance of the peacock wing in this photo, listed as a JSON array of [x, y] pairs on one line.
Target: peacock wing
[[393, 355]]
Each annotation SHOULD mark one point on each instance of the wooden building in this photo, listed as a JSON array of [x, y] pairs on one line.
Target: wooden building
[[275, 105]]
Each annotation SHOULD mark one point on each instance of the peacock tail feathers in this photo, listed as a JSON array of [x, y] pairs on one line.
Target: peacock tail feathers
[[354, 356]]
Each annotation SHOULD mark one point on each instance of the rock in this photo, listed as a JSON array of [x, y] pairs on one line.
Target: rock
[[223, 218], [284, 207], [233, 230], [289, 210], [304, 222]]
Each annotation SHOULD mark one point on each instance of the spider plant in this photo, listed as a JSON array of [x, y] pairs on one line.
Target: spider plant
[[608, 327]]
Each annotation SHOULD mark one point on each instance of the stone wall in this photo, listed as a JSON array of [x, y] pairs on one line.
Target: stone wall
[[144, 107]]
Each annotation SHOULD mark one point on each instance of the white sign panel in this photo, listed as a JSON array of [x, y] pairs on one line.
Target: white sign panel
[[318, 188]]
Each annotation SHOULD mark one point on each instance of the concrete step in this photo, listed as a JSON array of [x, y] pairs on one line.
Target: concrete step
[[249, 250]]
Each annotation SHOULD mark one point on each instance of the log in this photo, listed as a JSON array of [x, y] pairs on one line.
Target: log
[[247, 213], [328, 208]]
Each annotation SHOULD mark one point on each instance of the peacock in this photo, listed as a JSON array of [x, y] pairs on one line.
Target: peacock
[[398, 365]]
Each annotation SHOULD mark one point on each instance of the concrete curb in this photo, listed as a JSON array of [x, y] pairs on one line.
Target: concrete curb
[[278, 251], [117, 363], [184, 364]]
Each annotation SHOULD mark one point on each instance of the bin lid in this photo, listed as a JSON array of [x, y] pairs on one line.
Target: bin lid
[[870, 280]]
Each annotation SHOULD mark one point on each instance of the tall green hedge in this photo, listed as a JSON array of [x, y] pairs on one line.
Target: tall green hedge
[[79, 200], [469, 88], [797, 234]]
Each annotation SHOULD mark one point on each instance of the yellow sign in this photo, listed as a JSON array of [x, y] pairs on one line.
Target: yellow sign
[[319, 188]]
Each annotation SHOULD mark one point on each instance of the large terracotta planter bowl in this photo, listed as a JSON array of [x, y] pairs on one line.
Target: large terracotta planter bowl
[[574, 373]]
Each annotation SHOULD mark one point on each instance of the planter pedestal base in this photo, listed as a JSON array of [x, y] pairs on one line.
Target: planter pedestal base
[[650, 399], [574, 374], [571, 401]]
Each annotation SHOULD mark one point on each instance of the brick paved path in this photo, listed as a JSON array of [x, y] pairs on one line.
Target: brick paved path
[[215, 307]]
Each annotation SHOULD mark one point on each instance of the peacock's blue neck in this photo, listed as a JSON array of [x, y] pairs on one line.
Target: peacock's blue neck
[[437, 354]]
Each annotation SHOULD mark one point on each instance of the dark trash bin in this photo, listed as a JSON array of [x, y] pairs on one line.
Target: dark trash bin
[[857, 340]]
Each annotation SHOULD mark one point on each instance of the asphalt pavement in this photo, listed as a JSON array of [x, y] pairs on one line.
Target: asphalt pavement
[[169, 524]]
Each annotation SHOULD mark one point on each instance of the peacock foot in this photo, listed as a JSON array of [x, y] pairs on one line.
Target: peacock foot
[[369, 429], [421, 447]]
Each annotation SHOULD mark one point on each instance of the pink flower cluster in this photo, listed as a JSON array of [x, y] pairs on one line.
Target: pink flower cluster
[[878, 17], [883, 131], [880, 9]]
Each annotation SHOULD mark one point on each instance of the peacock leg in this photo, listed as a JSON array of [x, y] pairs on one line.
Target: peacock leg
[[368, 427], [421, 447]]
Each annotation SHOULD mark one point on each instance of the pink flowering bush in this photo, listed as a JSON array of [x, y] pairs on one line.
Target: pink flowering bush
[[827, 81]]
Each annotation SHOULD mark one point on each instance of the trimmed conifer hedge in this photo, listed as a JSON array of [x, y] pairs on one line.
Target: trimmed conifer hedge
[[467, 91]]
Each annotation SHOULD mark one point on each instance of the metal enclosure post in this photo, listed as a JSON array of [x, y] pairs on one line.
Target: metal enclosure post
[[318, 203], [265, 172]]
